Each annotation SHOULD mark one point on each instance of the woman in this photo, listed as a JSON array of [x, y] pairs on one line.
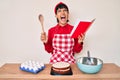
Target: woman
[[59, 43]]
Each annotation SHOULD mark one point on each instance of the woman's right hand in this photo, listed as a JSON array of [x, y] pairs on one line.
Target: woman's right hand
[[43, 37]]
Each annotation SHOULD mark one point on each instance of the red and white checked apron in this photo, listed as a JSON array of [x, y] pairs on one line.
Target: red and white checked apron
[[63, 48]]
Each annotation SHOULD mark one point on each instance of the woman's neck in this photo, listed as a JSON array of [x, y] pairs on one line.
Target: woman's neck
[[62, 25]]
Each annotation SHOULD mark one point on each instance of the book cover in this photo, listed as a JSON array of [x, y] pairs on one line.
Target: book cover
[[80, 27]]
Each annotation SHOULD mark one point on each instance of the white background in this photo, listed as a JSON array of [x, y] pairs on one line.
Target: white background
[[20, 29]]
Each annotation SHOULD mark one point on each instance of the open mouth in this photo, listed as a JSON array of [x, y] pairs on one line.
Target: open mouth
[[62, 18]]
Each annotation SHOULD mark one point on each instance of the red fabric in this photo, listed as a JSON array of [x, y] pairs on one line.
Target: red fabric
[[57, 5], [61, 30], [63, 48]]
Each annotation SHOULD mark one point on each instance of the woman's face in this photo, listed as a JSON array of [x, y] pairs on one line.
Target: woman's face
[[62, 16]]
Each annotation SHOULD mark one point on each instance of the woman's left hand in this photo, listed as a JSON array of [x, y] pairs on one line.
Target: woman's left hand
[[81, 38]]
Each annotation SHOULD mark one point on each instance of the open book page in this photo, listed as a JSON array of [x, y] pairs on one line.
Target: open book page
[[80, 27]]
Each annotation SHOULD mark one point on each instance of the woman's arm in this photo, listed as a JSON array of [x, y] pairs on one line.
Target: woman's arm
[[48, 45], [78, 46], [78, 43]]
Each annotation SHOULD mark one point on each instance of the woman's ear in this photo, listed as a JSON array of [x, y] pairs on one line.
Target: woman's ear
[[55, 15], [57, 18]]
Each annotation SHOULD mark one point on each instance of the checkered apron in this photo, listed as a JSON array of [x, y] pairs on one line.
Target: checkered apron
[[63, 48]]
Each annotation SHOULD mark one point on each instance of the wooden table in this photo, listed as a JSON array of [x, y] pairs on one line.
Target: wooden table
[[109, 71]]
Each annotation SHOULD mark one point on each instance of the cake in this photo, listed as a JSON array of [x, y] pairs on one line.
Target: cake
[[61, 68]]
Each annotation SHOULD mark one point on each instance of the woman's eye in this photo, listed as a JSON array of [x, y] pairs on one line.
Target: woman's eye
[[59, 11], [65, 10], [62, 10]]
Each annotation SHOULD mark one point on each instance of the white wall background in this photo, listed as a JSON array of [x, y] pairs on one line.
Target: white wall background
[[20, 29]]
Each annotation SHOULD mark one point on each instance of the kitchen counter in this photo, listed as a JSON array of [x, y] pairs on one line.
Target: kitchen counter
[[10, 71]]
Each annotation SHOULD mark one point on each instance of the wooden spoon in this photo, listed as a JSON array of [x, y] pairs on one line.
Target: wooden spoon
[[41, 19]]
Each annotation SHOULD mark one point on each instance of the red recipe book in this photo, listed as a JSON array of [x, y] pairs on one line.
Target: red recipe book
[[80, 27]]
